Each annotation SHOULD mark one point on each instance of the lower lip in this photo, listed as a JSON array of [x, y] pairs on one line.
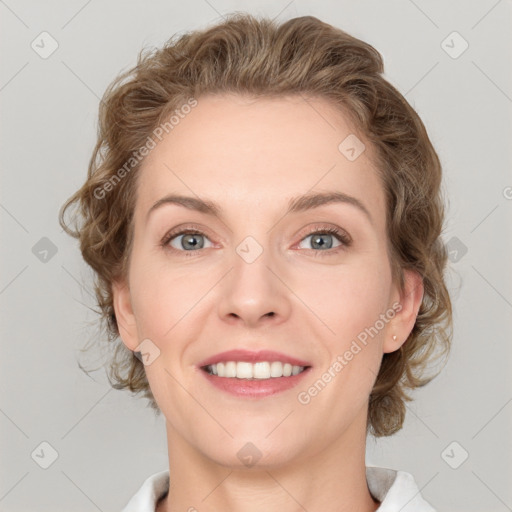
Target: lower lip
[[257, 388]]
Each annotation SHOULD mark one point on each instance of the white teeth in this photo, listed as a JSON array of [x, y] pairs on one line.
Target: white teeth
[[230, 369], [242, 371], [259, 370]]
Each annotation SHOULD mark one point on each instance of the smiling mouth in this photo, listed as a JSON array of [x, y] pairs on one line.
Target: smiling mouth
[[253, 371]]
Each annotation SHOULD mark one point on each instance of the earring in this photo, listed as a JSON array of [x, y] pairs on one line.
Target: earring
[[394, 337]]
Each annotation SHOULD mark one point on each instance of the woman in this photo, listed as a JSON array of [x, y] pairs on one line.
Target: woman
[[263, 215]]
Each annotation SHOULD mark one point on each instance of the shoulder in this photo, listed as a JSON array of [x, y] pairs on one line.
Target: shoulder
[[396, 490], [153, 488]]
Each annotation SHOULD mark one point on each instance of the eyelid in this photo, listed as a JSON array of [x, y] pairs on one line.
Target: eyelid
[[334, 230], [342, 235], [184, 229]]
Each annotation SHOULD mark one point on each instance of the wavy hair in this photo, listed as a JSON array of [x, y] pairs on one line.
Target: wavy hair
[[256, 56]]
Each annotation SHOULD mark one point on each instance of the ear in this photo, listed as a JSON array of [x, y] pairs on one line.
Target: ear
[[124, 314], [403, 322]]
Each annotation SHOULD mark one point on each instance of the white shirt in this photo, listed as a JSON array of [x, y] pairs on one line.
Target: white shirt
[[395, 490]]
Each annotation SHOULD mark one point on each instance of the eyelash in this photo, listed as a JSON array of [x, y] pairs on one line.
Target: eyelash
[[342, 237]]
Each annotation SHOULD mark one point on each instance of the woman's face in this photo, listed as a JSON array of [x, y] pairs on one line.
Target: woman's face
[[255, 278]]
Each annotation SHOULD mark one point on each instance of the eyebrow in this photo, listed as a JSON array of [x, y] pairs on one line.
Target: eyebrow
[[295, 205]]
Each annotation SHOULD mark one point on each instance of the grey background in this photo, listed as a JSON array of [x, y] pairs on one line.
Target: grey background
[[107, 441]]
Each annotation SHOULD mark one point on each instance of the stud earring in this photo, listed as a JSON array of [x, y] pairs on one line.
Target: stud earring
[[394, 337]]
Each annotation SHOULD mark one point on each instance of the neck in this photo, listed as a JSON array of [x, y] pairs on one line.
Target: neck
[[331, 480]]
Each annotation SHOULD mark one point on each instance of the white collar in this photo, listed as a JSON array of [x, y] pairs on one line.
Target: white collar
[[396, 490]]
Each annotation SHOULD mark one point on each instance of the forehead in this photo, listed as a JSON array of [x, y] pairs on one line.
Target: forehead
[[244, 150]]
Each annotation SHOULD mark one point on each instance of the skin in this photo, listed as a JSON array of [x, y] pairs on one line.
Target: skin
[[251, 157]]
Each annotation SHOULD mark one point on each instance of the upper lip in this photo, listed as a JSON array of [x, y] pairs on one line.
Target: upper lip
[[252, 357]]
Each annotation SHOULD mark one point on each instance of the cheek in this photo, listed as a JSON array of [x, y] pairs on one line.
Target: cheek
[[351, 305], [348, 299], [164, 295]]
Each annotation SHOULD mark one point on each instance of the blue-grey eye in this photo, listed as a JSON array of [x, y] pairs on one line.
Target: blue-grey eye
[[322, 240], [189, 241]]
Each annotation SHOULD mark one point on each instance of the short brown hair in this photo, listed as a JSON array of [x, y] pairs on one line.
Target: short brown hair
[[256, 56]]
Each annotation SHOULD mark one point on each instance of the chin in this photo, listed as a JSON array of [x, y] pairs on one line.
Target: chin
[[254, 452]]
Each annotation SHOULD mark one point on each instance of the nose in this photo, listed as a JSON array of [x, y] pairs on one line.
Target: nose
[[253, 293]]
